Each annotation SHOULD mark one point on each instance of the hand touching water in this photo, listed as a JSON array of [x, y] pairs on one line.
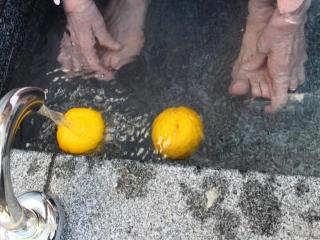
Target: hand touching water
[[85, 32], [281, 51], [276, 62]]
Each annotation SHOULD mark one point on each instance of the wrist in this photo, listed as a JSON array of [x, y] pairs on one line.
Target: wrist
[[294, 12], [260, 10], [76, 5], [285, 21]]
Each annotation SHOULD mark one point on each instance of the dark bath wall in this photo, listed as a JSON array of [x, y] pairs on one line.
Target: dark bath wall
[[15, 17]]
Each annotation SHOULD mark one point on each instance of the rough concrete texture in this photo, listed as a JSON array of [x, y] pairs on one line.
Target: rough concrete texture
[[122, 199], [29, 170]]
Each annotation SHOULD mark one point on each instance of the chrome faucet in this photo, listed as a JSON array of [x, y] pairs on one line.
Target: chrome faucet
[[33, 215]]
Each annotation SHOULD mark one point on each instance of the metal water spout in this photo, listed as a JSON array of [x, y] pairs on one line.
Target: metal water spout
[[33, 215]]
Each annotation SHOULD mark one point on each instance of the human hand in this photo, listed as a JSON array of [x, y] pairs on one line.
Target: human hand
[[281, 53], [86, 30], [260, 12]]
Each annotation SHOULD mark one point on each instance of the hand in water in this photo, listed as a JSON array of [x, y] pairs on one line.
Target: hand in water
[[125, 20], [260, 12], [278, 63], [86, 30]]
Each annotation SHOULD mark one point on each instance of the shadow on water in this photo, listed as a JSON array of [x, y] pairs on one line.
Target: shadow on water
[[186, 60]]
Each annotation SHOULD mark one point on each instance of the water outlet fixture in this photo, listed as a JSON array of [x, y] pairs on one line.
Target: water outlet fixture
[[33, 215]]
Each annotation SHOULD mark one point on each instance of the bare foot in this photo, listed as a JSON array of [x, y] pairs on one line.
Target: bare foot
[[260, 12], [125, 21]]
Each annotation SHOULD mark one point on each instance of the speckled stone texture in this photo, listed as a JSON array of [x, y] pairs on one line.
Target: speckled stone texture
[[29, 170], [122, 199]]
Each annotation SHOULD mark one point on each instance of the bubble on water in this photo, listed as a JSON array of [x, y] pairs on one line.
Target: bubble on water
[[140, 151], [146, 134], [55, 79]]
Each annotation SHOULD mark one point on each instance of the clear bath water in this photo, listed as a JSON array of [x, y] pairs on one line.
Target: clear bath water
[[187, 60]]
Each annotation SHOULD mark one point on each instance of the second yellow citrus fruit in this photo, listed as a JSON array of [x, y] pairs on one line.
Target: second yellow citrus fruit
[[177, 132], [82, 131]]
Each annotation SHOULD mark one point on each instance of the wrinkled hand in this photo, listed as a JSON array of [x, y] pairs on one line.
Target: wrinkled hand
[[281, 55], [277, 64], [260, 12], [85, 31]]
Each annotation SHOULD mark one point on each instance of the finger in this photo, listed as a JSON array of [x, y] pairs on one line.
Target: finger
[[264, 88], [64, 59], [104, 37], [239, 87], [77, 66], [256, 62], [240, 83], [65, 41], [279, 95], [301, 74], [92, 60], [66, 64], [294, 83], [255, 88], [117, 60], [105, 60], [265, 41]]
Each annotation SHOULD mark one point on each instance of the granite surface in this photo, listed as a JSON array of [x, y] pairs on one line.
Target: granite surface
[[122, 199], [29, 170]]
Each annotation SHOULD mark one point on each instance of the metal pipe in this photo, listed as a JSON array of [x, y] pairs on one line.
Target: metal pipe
[[16, 105], [32, 214]]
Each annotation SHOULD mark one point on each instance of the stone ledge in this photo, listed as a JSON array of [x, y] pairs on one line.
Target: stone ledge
[[123, 199]]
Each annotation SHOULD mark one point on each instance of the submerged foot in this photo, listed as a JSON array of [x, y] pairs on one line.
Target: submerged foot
[[125, 21]]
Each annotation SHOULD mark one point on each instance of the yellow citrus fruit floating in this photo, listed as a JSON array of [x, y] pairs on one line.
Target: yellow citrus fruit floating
[[82, 130], [177, 132]]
